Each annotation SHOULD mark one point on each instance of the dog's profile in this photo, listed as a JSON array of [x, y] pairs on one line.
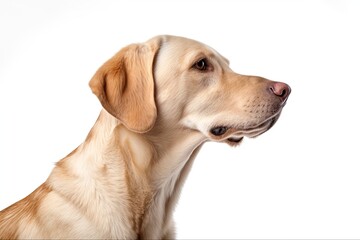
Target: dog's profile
[[161, 100]]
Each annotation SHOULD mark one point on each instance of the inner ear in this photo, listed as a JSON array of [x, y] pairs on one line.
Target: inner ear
[[125, 86]]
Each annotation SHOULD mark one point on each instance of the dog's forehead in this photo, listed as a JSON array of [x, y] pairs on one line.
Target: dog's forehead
[[183, 49], [182, 46]]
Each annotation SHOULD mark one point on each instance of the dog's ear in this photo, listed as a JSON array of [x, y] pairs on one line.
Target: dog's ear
[[125, 86]]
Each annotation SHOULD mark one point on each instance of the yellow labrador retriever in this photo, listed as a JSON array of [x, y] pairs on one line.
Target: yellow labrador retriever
[[162, 100]]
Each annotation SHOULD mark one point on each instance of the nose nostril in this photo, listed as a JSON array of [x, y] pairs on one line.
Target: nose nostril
[[272, 90], [281, 90]]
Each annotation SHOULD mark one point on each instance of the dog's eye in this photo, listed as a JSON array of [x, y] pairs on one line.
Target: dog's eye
[[201, 65]]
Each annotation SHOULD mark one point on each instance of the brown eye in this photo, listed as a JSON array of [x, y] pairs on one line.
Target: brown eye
[[201, 65]]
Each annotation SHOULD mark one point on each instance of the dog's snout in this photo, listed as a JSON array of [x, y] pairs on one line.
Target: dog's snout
[[281, 90]]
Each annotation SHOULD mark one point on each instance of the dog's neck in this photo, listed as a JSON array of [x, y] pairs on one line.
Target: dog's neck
[[156, 165], [161, 152]]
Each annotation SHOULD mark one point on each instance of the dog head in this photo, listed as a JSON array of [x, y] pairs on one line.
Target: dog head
[[180, 83]]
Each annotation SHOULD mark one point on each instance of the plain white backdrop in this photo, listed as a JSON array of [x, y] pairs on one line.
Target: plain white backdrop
[[299, 180]]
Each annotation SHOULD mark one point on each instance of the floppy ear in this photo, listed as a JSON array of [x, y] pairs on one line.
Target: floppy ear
[[125, 86]]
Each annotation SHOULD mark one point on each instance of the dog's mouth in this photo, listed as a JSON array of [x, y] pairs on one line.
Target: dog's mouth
[[233, 135]]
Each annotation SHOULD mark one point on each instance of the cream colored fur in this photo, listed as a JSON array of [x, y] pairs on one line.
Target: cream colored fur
[[124, 180]]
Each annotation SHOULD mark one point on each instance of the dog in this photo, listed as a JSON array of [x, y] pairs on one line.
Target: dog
[[162, 100]]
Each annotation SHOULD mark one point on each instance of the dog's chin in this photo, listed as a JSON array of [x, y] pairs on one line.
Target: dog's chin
[[234, 136], [234, 141]]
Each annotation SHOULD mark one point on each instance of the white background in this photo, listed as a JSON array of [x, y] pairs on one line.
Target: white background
[[299, 180]]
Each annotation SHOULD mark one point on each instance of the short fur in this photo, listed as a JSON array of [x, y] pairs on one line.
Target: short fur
[[160, 105]]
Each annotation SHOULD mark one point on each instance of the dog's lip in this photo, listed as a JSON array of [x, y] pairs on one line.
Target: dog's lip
[[234, 141], [235, 134], [262, 127]]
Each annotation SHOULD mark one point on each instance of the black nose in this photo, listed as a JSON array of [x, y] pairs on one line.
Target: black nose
[[282, 90]]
